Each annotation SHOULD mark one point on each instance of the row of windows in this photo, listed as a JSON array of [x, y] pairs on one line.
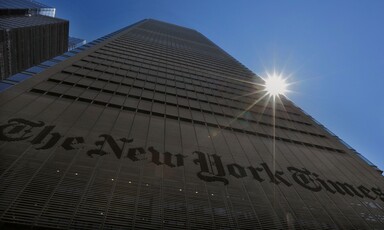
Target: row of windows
[[145, 60], [183, 61], [169, 99], [149, 83], [175, 42], [208, 52], [206, 55], [159, 108], [217, 66], [176, 31], [180, 95], [160, 63], [190, 82]]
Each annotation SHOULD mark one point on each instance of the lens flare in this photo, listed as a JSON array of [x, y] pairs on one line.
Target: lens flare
[[275, 85]]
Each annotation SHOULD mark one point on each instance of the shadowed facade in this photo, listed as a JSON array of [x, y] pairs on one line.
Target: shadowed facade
[[154, 126]]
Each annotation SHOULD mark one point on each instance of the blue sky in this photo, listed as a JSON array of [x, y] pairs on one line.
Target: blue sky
[[333, 50]]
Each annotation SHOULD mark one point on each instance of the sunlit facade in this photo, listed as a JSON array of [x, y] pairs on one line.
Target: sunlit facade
[[25, 7], [74, 43], [156, 127]]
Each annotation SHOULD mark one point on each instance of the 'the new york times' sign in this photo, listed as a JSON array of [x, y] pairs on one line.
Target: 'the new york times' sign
[[211, 167]]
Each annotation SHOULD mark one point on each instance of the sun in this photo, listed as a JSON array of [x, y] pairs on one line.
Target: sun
[[275, 85]]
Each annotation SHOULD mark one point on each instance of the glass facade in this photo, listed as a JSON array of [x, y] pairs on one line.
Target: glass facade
[[74, 43], [156, 127], [24, 7]]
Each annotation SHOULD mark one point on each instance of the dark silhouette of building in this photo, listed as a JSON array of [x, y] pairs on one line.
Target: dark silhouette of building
[[27, 40], [25, 7], [154, 126]]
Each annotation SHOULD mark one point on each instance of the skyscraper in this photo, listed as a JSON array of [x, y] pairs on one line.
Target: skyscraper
[[27, 40], [29, 35], [25, 7], [154, 126]]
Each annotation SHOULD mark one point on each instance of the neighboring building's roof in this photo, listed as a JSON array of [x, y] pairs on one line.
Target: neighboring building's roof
[[73, 42], [21, 4], [12, 7], [19, 21]]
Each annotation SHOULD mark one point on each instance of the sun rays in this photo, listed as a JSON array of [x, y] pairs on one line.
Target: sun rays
[[275, 85], [267, 92]]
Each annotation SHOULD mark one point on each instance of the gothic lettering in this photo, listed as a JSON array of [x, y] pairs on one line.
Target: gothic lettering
[[236, 170], [68, 143], [155, 156], [132, 153], [344, 188], [43, 134], [379, 193], [55, 137], [276, 177], [211, 166], [18, 129], [303, 178], [207, 175], [324, 184], [218, 164], [366, 192], [39, 138], [167, 158], [255, 173], [108, 139], [180, 159]]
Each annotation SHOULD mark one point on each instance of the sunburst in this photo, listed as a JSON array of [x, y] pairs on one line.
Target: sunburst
[[275, 85]]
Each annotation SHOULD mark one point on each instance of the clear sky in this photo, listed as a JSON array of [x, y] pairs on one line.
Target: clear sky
[[333, 50]]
